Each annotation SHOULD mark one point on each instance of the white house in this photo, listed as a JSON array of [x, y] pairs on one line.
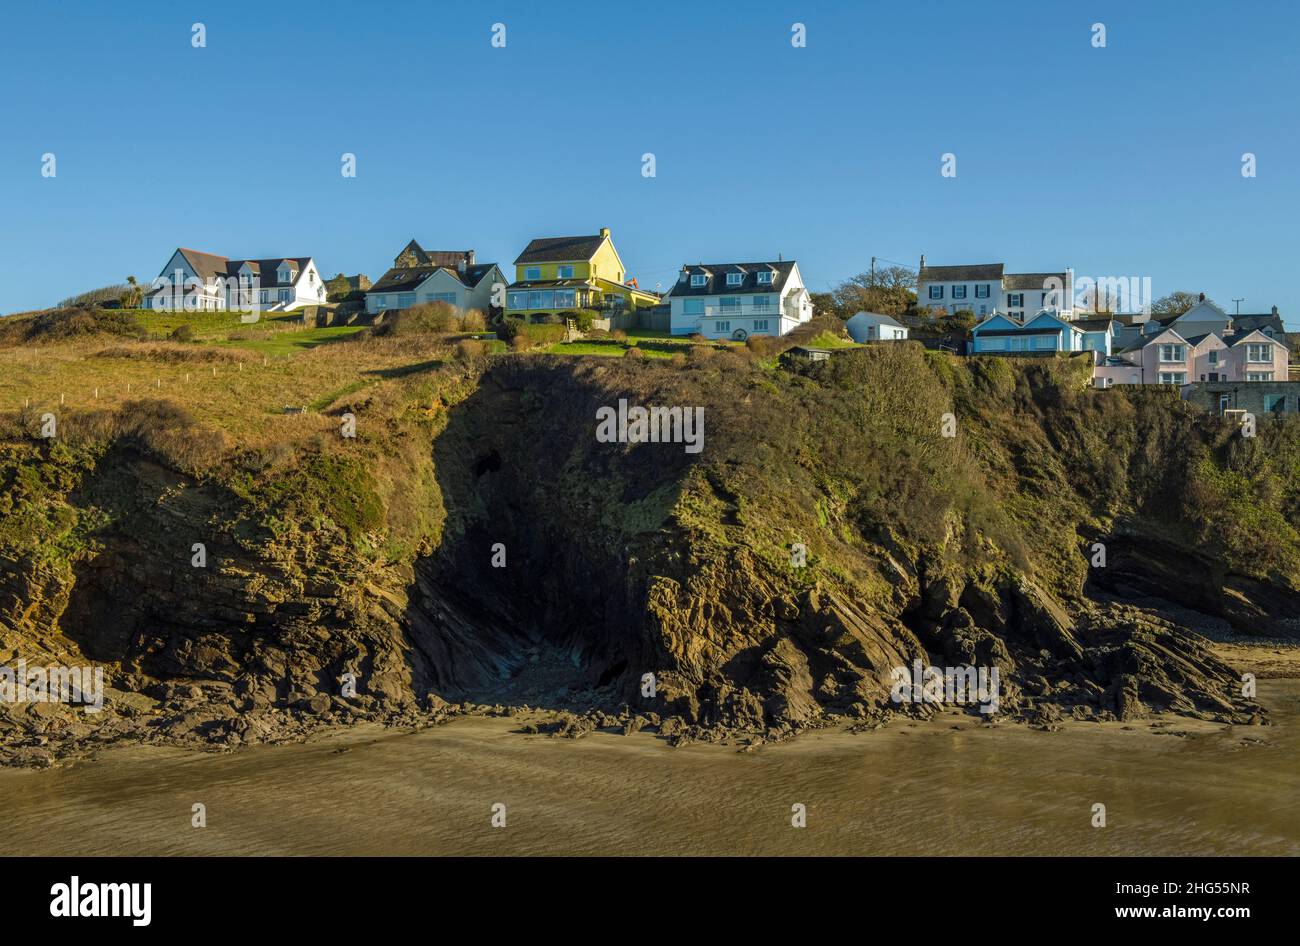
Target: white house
[[450, 276], [985, 289], [874, 327], [736, 300], [204, 281]]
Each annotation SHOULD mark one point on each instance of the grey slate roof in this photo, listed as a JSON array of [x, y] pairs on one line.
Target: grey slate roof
[[973, 273], [715, 274], [406, 278], [1018, 282], [210, 265], [560, 249]]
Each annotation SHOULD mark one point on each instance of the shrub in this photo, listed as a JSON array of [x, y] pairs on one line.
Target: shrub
[[697, 337], [183, 333], [510, 328], [471, 349], [760, 346], [521, 342], [433, 317], [634, 353], [618, 335], [544, 334], [678, 360], [702, 352], [473, 320]]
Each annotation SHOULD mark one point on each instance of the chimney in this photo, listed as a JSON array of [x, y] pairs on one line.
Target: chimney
[[1275, 310], [469, 258], [604, 232], [1202, 299], [918, 272]]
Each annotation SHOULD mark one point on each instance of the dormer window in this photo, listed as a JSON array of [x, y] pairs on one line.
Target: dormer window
[[735, 279], [765, 278], [698, 279]]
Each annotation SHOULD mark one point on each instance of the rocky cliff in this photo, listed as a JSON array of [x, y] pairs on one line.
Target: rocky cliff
[[478, 544]]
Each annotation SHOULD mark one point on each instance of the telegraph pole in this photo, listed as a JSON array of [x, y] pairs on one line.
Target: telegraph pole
[[1239, 302]]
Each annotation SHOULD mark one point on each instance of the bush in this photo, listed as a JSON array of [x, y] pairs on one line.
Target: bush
[[618, 335], [760, 346], [183, 333], [432, 317], [473, 320], [702, 352], [521, 342], [510, 328], [543, 334], [634, 353], [697, 337], [469, 350]]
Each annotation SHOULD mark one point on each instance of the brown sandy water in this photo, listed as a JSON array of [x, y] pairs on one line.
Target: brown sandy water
[[909, 789]]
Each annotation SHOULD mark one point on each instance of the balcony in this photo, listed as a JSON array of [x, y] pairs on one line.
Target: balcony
[[740, 311]]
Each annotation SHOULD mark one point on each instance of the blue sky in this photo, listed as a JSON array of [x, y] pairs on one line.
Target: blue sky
[[1122, 161]]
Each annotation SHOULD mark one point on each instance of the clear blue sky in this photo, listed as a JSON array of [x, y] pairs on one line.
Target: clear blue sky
[[1118, 161]]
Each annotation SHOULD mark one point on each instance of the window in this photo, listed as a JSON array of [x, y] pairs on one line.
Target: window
[[1173, 377], [532, 272], [959, 292], [735, 279], [936, 292], [1225, 402], [1259, 353], [760, 325], [1173, 352], [284, 295], [984, 310], [1213, 358], [566, 298], [692, 307], [1259, 376], [614, 299], [763, 302], [1015, 300], [517, 300], [724, 326], [447, 297], [765, 278], [982, 291], [405, 300], [1044, 342], [265, 295], [535, 300], [1274, 403], [698, 279], [564, 272], [730, 302]]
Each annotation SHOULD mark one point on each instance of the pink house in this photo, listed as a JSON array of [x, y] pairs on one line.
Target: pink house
[[1201, 345]]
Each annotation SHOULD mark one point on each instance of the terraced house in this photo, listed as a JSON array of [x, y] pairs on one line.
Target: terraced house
[[1204, 344], [451, 276], [736, 300], [561, 274]]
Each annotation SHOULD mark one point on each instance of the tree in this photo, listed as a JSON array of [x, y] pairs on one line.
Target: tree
[[1176, 303], [890, 290], [134, 294], [823, 303], [337, 289]]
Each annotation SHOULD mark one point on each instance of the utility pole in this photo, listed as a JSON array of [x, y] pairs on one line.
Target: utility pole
[[873, 270], [1239, 302]]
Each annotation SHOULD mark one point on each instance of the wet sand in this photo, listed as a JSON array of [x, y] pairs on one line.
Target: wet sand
[[949, 786]]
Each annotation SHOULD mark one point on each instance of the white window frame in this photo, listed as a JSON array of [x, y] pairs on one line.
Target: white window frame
[[958, 292], [699, 279], [760, 325], [735, 279], [723, 327], [1172, 353], [984, 294], [564, 272], [1257, 353], [765, 277], [936, 292], [532, 273]]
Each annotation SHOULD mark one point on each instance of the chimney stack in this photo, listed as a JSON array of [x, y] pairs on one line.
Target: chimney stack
[[1202, 299], [604, 232], [918, 272], [1275, 310]]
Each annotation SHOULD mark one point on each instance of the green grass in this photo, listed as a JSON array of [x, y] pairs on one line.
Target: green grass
[[287, 343], [606, 349], [827, 340]]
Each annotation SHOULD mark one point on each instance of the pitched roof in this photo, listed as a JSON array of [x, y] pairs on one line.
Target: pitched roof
[[1093, 325], [990, 271], [1021, 281], [405, 278], [561, 249], [211, 266], [877, 318], [715, 278], [1251, 323], [451, 258]]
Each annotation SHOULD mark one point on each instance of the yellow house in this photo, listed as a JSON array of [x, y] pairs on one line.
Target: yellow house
[[559, 274]]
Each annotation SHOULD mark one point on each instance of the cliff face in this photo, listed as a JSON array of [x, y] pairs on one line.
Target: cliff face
[[487, 547]]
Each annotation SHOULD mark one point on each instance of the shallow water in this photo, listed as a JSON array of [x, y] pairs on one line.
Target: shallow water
[[906, 790]]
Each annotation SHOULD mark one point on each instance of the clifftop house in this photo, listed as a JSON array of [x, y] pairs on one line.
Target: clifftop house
[[200, 281], [736, 300], [419, 276], [985, 289], [559, 274]]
